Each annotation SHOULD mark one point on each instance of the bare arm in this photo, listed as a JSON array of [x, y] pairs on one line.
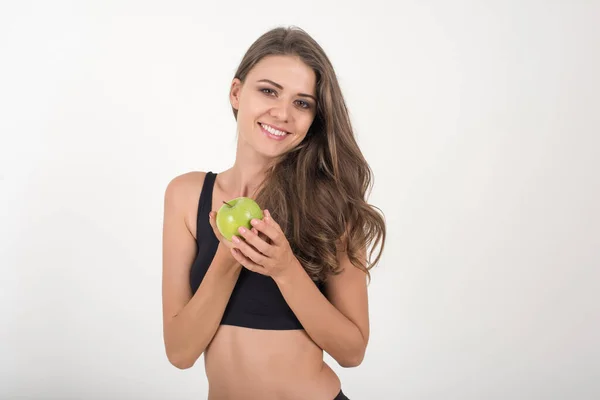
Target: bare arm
[[190, 322], [338, 323]]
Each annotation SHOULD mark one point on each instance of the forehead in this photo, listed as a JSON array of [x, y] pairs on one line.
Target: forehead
[[289, 71]]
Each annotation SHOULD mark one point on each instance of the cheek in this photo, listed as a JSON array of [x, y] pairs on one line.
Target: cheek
[[307, 121], [252, 110]]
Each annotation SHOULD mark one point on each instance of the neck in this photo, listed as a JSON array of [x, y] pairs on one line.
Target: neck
[[244, 179], [247, 172]]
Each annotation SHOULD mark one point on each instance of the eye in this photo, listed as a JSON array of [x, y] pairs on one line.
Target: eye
[[304, 104], [263, 90]]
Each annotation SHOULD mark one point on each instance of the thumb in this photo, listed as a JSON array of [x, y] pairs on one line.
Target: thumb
[[213, 225], [211, 219]]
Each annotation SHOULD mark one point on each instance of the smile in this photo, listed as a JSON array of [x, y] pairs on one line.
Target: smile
[[272, 132]]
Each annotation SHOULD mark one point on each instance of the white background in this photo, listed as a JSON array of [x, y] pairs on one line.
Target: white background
[[480, 120]]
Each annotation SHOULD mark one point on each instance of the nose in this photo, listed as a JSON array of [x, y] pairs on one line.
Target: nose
[[280, 111]]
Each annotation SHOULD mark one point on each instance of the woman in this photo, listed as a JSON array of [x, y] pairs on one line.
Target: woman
[[263, 308]]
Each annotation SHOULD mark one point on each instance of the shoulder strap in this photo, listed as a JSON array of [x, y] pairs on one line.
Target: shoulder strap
[[205, 204]]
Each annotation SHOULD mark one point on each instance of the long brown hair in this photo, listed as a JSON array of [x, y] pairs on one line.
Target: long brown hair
[[316, 191]]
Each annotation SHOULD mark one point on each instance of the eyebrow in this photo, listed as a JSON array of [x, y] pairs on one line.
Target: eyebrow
[[281, 88]]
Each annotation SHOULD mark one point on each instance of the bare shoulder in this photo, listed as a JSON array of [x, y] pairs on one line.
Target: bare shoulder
[[183, 192], [183, 188], [183, 183]]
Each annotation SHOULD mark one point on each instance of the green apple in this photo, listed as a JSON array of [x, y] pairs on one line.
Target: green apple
[[235, 213]]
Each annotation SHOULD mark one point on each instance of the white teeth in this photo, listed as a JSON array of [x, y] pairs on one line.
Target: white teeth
[[273, 130]]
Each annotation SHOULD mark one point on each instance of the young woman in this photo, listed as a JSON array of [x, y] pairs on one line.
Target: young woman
[[262, 309]]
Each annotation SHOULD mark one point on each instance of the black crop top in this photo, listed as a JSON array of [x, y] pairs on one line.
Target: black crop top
[[256, 301]]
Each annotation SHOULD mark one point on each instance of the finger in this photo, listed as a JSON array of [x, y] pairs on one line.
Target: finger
[[213, 224], [269, 219], [267, 229], [262, 236], [254, 254], [258, 243], [216, 232], [271, 222], [248, 263], [211, 221]]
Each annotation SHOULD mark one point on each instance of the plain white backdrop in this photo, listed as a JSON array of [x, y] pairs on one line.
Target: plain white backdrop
[[481, 123]]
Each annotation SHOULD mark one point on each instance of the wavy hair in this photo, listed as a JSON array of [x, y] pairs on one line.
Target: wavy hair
[[316, 191]]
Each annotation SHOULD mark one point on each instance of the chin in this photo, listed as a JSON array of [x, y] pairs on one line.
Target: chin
[[269, 154]]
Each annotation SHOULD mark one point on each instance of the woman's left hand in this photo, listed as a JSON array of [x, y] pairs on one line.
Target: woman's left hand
[[254, 253]]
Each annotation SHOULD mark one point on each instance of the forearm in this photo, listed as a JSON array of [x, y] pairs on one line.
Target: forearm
[[188, 333], [327, 326]]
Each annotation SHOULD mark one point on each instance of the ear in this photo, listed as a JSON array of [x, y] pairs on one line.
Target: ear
[[234, 93]]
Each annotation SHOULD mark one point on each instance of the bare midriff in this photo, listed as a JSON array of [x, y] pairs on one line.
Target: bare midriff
[[244, 363]]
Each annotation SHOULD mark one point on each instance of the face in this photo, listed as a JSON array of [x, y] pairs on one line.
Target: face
[[279, 94]]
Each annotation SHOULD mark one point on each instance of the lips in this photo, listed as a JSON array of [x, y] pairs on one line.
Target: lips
[[272, 136], [274, 127]]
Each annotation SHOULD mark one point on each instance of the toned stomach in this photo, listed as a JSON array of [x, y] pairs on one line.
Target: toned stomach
[[248, 364]]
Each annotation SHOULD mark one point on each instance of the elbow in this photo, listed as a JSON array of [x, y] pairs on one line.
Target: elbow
[[353, 359], [182, 364], [179, 361], [350, 363]]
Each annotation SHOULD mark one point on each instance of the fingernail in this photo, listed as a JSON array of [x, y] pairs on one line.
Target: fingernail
[[267, 213], [235, 239]]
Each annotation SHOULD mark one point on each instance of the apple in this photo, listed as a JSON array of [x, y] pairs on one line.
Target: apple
[[235, 213]]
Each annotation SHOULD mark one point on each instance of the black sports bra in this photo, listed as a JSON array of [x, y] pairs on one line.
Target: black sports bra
[[256, 301]]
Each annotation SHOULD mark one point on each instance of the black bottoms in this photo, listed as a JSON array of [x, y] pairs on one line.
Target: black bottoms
[[341, 396]]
